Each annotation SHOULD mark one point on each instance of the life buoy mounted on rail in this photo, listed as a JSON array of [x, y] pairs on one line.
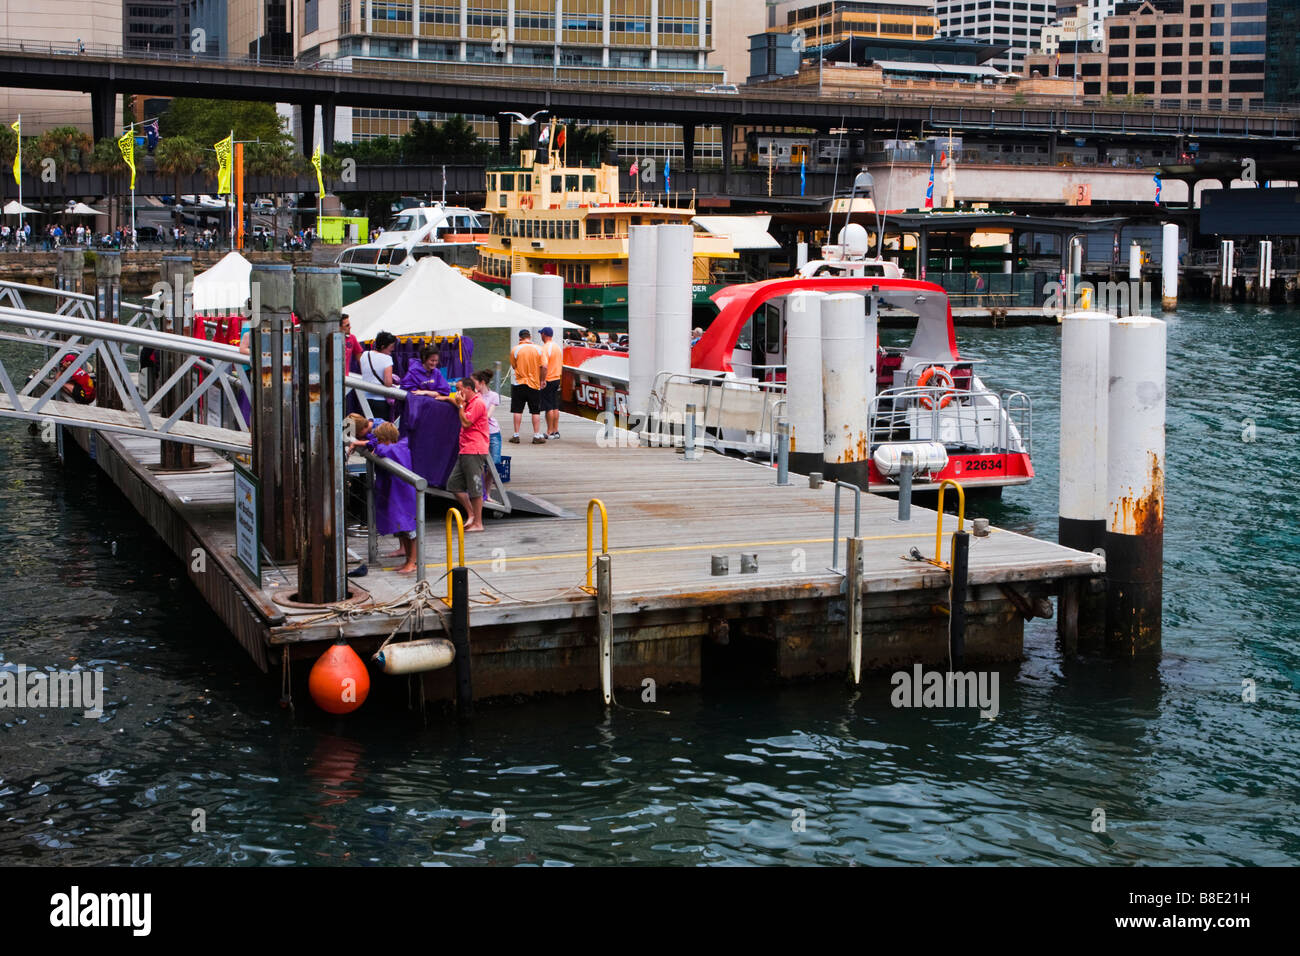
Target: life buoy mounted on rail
[[942, 378], [526, 201]]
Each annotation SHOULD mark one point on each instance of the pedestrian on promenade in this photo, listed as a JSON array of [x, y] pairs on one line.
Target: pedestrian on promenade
[[466, 481], [553, 359], [529, 372]]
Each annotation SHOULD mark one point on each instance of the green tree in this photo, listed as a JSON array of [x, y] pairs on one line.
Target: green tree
[[209, 121], [584, 144], [279, 161], [106, 160], [178, 156], [68, 146]]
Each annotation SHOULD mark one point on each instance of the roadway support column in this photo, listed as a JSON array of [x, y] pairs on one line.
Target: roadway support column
[[103, 110], [178, 275], [108, 305], [328, 114], [273, 409], [503, 136], [308, 128], [318, 391], [688, 146]]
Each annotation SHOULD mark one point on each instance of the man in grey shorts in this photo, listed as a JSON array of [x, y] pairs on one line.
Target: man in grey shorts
[[466, 480]]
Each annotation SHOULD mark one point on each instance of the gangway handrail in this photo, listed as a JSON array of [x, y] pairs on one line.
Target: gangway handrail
[[65, 293], [857, 520]]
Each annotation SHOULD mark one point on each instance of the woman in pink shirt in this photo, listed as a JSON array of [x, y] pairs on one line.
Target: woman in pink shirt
[[483, 385]]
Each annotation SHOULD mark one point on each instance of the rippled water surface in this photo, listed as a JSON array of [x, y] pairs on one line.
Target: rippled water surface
[[1184, 770]]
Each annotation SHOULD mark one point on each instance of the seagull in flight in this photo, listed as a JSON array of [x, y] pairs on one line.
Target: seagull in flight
[[524, 120]]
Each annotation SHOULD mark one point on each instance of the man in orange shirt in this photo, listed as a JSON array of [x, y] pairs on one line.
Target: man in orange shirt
[[553, 356], [530, 371]]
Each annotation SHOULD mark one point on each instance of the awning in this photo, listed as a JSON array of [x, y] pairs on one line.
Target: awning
[[745, 232], [434, 298], [81, 209], [947, 69], [13, 208]]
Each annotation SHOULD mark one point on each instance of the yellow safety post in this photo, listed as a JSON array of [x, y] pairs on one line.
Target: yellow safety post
[[938, 530], [460, 535], [593, 504]]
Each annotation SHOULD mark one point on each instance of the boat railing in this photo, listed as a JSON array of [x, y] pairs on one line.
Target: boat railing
[[722, 405], [975, 419]]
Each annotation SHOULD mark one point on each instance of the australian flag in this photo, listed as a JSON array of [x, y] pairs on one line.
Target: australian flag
[[929, 190], [1157, 182]]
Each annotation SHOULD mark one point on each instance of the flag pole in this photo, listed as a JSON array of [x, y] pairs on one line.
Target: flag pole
[[18, 165], [230, 209], [133, 179]]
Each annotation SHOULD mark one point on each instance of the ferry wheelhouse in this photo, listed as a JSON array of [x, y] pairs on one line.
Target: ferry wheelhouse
[[451, 233], [550, 218]]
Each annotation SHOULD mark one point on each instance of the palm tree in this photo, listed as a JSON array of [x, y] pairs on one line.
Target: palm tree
[[178, 156], [68, 146], [106, 160]]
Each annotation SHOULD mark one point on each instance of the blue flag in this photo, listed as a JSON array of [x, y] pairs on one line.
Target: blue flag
[[668, 174], [929, 190], [1157, 182], [803, 180]]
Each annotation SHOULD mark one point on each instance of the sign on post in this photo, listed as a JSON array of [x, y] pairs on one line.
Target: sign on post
[[248, 533]]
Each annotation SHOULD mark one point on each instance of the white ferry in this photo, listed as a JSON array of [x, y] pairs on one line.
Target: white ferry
[[452, 233]]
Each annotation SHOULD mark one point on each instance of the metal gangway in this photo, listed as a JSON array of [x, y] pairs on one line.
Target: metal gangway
[[205, 372]]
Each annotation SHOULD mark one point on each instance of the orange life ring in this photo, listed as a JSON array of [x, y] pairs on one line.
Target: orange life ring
[[944, 378], [525, 201]]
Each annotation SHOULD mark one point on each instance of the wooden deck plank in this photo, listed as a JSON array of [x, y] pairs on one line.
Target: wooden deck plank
[[667, 517]]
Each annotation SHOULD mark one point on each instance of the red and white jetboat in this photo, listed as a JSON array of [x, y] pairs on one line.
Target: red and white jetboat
[[928, 398]]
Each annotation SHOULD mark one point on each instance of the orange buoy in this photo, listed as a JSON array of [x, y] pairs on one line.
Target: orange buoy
[[339, 681]]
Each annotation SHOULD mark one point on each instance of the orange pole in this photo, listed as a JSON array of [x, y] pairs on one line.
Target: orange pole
[[239, 196]]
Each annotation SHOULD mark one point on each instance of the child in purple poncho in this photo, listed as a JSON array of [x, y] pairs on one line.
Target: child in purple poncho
[[423, 376], [394, 498]]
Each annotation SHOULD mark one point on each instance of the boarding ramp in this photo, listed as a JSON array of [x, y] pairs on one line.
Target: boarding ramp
[[730, 414]]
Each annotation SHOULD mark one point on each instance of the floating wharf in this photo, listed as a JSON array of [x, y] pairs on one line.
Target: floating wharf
[[532, 628]]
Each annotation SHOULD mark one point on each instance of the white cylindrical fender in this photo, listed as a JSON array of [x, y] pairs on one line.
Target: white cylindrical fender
[[674, 261], [847, 389], [642, 273], [1085, 384], [414, 657], [548, 295], [1169, 267], [805, 406], [1134, 260]]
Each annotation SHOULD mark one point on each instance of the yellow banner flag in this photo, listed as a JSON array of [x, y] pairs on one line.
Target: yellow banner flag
[[17, 127], [315, 161], [126, 145], [224, 149]]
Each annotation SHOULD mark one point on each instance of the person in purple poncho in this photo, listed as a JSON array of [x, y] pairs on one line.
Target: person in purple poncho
[[424, 376], [394, 498]]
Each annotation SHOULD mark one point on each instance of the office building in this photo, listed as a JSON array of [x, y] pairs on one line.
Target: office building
[[821, 26], [643, 42], [210, 17], [1282, 53], [96, 23], [1172, 53], [154, 26], [1015, 24]]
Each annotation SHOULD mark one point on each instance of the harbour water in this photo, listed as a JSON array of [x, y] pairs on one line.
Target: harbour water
[[194, 762]]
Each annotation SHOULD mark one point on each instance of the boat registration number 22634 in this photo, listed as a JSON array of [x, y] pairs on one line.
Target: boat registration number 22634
[[980, 464]]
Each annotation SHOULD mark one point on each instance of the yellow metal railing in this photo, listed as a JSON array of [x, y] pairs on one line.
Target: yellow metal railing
[[452, 513], [937, 560], [592, 505]]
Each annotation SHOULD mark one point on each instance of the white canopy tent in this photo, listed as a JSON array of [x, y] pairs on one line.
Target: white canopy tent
[[81, 209], [225, 288], [746, 232], [14, 208], [434, 298]]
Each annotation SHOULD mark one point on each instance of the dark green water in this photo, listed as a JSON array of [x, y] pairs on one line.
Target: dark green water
[[1185, 771]]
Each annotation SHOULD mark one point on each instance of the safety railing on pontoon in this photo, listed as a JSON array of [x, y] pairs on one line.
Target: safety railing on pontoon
[[976, 421], [731, 414]]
